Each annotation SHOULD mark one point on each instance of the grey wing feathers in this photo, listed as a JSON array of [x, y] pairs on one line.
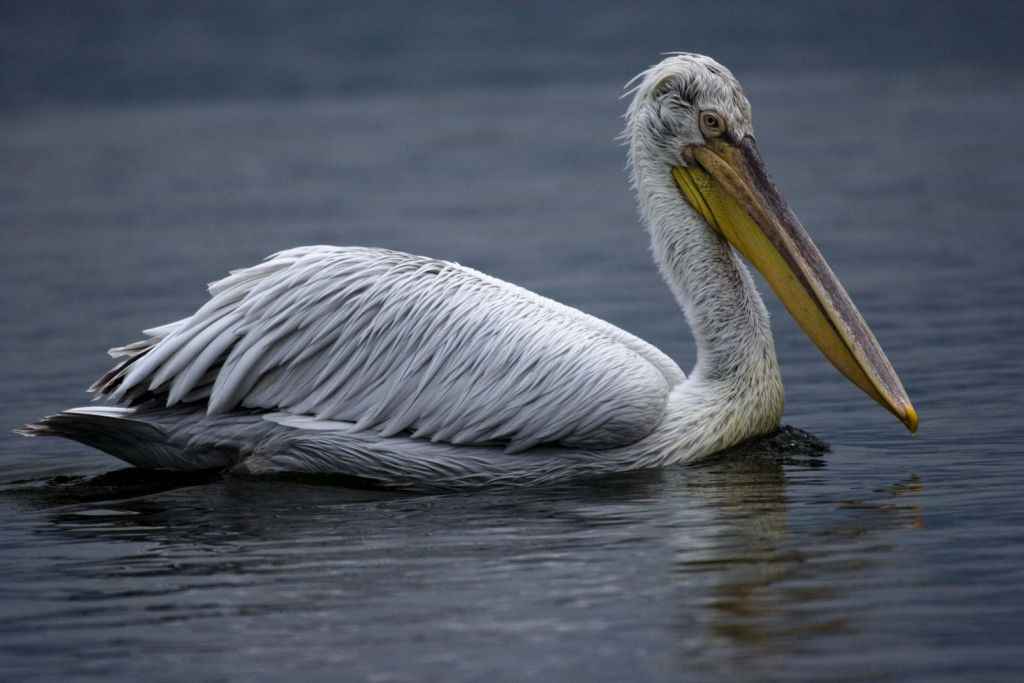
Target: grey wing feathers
[[401, 343]]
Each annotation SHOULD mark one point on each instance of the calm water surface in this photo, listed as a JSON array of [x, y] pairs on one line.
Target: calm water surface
[[885, 558]]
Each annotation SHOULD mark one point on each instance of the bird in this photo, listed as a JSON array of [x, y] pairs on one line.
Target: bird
[[408, 372]]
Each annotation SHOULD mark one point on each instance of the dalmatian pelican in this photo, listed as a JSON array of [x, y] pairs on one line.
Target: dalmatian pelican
[[410, 372]]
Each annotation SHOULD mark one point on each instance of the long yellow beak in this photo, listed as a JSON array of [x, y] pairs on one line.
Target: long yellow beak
[[729, 186]]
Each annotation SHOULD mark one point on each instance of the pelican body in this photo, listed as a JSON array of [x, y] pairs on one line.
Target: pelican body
[[415, 373]]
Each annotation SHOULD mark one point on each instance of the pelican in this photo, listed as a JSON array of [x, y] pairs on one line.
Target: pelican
[[410, 372]]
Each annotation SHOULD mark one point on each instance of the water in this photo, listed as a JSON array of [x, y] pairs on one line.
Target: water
[[131, 172]]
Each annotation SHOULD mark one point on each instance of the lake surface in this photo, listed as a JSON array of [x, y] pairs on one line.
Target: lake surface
[[132, 173]]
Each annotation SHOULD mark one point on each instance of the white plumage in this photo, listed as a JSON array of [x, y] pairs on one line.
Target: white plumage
[[417, 373], [400, 343]]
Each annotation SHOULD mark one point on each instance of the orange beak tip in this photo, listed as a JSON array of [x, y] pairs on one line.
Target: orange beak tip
[[911, 420]]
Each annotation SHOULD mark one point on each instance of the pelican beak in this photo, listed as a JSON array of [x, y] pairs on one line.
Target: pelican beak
[[729, 186]]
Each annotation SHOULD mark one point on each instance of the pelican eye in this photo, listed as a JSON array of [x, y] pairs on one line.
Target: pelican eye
[[711, 123]]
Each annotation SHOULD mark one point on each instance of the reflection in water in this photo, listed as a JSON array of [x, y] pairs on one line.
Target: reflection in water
[[772, 590], [128, 482], [741, 572], [747, 612]]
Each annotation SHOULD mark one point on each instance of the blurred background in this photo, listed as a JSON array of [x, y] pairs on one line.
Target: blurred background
[[148, 147], [60, 53]]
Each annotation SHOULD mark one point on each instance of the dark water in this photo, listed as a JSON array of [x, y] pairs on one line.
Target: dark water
[[145, 151]]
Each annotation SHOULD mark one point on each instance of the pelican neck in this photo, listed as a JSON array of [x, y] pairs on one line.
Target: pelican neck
[[713, 287]]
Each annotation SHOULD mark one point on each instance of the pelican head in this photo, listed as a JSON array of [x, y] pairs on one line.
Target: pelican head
[[690, 121]]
